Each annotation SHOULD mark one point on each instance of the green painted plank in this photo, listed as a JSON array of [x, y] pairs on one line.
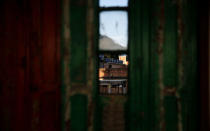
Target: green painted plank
[[184, 91], [170, 43], [189, 90], [154, 66], [193, 120], [62, 48], [135, 123], [170, 113], [78, 113], [145, 70], [170, 63], [78, 44]]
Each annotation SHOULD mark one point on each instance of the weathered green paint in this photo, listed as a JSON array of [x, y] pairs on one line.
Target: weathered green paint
[[170, 43], [170, 103], [78, 113], [160, 42], [135, 111], [145, 70], [170, 63], [162, 76], [91, 62], [189, 60], [78, 49], [74, 65], [154, 66], [65, 56]]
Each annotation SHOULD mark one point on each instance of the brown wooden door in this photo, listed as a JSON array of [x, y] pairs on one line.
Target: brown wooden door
[[43, 69], [30, 67], [10, 67]]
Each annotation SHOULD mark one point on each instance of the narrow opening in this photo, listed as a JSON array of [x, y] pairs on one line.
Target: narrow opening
[[113, 45]]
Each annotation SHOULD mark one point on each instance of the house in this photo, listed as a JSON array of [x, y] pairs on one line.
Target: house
[[113, 74]]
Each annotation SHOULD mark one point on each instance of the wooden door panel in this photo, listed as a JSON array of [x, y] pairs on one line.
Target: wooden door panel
[[35, 45], [43, 63], [49, 24], [11, 95], [29, 69], [48, 111]]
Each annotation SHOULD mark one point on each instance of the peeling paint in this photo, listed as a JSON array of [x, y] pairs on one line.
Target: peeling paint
[[90, 61], [72, 89], [180, 64], [66, 62], [160, 62], [170, 91]]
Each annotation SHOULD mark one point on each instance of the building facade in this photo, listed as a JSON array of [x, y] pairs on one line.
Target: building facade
[[113, 74]]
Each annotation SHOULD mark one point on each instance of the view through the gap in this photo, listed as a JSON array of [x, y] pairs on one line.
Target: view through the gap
[[113, 74], [113, 39]]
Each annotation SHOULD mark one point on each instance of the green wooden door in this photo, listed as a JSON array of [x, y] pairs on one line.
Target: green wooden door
[[162, 72], [163, 66]]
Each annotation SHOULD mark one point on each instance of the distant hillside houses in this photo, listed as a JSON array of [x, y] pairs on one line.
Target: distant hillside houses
[[113, 73]]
